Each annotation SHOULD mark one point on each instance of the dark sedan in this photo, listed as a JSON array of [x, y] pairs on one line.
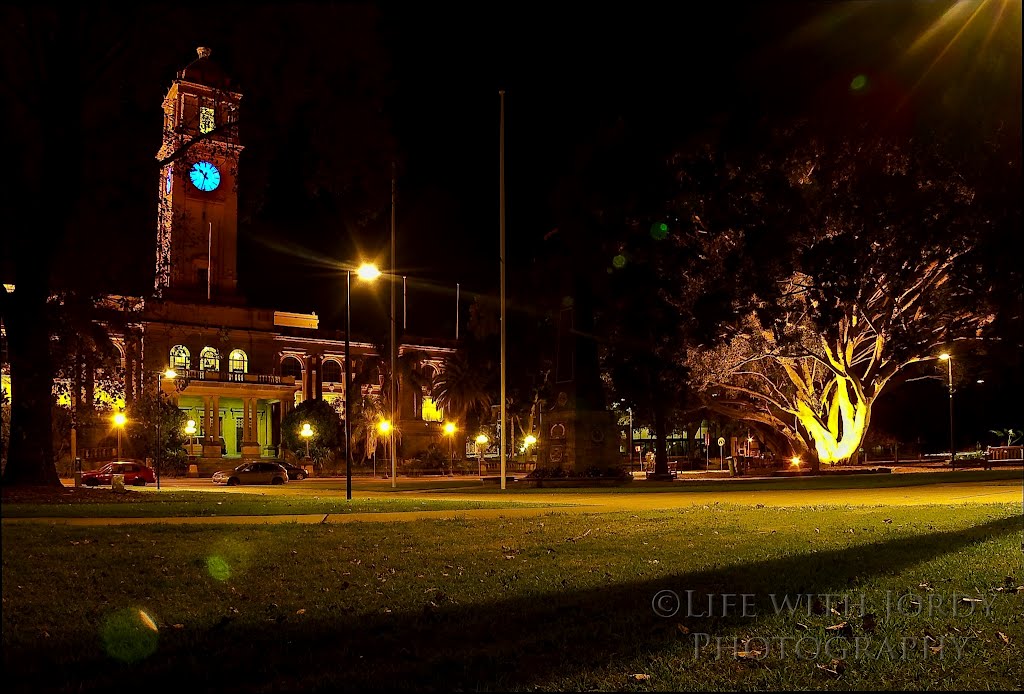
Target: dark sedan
[[295, 472]]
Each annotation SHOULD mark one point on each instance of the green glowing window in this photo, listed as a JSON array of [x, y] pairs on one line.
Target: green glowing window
[[206, 123], [209, 359], [238, 362], [179, 357], [430, 411]]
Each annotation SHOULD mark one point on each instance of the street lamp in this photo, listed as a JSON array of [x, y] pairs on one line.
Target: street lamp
[[528, 441], [306, 433], [368, 273], [383, 427], [119, 422], [449, 431], [952, 447], [481, 445]]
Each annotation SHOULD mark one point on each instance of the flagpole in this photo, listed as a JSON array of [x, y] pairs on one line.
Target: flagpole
[[501, 211], [394, 424]]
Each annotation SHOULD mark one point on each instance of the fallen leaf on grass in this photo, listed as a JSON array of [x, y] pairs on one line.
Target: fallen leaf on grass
[[300, 611], [749, 655], [683, 629], [1003, 637], [177, 626], [641, 677], [843, 628], [971, 601], [836, 667]]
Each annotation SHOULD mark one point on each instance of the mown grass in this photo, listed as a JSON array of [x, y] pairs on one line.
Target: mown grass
[[562, 602], [822, 482], [163, 504]]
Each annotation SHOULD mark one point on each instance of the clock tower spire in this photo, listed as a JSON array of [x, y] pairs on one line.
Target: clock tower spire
[[197, 228]]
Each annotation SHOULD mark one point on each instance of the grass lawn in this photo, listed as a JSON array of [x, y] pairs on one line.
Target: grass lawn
[[823, 482], [561, 602], [103, 503]]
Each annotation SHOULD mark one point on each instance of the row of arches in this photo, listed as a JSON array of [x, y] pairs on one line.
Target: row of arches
[[209, 360], [238, 362]]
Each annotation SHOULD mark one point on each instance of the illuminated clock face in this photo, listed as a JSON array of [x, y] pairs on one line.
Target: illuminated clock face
[[205, 176]]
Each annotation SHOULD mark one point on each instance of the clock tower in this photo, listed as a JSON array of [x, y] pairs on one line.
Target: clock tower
[[197, 229]]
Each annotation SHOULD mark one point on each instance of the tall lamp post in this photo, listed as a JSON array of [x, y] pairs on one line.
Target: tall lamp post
[[384, 427], [946, 357], [369, 273], [449, 431], [119, 422], [306, 433], [481, 446]]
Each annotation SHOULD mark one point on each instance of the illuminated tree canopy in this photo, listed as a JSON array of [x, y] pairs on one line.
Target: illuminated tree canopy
[[851, 259]]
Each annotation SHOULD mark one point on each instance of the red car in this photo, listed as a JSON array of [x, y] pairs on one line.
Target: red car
[[134, 473]]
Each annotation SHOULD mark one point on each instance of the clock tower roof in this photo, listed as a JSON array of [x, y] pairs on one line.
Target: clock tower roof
[[204, 71]]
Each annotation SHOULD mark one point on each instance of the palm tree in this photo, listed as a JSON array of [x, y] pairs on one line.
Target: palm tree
[[460, 389], [365, 420]]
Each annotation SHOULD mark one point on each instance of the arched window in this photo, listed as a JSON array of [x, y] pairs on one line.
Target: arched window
[[179, 358], [332, 371], [209, 359], [290, 366], [238, 363]]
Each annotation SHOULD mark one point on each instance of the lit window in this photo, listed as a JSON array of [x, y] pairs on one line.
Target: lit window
[[431, 413], [205, 119], [209, 359], [238, 363], [332, 371], [179, 357]]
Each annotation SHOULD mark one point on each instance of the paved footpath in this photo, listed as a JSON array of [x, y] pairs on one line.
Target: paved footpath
[[996, 491]]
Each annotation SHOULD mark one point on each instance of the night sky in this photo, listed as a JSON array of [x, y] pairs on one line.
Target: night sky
[[333, 88], [334, 93]]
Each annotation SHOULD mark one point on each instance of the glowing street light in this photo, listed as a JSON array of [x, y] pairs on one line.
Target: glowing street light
[[366, 272], [190, 427], [170, 373], [946, 357], [449, 431], [119, 421], [795, 461], [306, 433], [481, 445]]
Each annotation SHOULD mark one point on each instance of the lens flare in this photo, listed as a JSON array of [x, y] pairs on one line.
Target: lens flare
[[858, 83], [218, 568], [129, 635], [619, 261], [659, 231]]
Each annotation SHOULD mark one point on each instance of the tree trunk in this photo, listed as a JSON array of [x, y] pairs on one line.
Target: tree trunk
[[30, 456]]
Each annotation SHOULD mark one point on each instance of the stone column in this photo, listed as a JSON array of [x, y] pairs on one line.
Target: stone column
[[250, 436]]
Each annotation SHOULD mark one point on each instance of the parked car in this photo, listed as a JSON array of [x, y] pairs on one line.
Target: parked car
[[295, 472], [134, 473], [252, 473]]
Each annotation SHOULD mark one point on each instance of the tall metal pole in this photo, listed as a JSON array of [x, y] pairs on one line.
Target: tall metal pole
[[391, 432], [456, 310], [501, 212], [952, 446], [348, 386]]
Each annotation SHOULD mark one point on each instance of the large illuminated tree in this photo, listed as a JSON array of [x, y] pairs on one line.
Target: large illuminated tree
[[852, 259]]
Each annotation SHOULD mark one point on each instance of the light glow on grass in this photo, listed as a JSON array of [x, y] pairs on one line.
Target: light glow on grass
[[218, 568]]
